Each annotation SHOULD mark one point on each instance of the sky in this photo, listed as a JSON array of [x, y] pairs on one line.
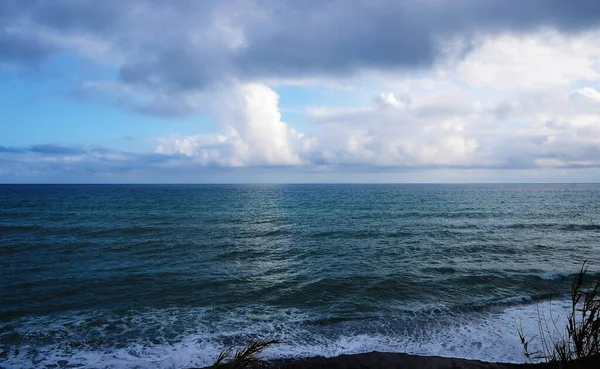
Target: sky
[[236, 91]]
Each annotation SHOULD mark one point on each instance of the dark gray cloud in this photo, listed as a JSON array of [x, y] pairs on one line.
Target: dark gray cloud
[[19, 46], [23, 50], [56, 150], [338, 36], [180, 45], [54, 162], [10, 150]]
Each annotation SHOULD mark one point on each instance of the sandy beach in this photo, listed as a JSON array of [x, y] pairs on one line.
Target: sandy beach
[[385, 360]]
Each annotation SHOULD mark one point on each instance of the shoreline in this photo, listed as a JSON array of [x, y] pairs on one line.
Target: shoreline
[[390, 360]]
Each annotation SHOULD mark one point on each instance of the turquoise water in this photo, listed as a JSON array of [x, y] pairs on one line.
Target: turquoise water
[[164, 276]]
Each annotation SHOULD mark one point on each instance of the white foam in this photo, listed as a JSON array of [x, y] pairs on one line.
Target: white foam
[[516, 300], [489, 336], [551, 276]]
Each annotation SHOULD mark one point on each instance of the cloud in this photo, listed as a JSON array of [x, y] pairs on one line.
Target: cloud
[[435, 120], [80, 163], [188, 45], [394, 134], [531, 60], [587, 95], [5, 149], [23, 50], [249, 131], [438, 85], [427, 132], [56, 150]]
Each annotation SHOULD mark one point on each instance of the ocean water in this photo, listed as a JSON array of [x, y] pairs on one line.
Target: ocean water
[[134, 276]]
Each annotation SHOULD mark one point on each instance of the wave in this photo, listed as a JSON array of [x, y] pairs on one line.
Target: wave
[[548, 276], [361, 234], [439, 270], [157, 339], [20, 228], [564, 276], [553, 226], [552, 276]]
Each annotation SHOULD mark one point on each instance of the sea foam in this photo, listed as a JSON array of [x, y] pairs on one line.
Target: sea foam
[[490, 336]]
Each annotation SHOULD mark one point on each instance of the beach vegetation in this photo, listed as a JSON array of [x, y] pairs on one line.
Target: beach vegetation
[[242, 357], [569, 346]]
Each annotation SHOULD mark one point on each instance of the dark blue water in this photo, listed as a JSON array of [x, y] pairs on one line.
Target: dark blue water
[[165, 276]]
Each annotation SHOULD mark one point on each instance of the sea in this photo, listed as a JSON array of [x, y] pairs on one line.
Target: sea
[[166, 276]]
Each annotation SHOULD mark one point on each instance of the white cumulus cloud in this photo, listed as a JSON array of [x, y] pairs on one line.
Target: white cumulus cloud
[[248, 131]]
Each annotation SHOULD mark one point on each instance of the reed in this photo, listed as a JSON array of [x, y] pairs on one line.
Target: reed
[[242, 357], [580, 338]]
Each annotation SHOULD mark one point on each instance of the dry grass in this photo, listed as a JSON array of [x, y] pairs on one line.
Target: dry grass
[[580, 338], [243, 357]]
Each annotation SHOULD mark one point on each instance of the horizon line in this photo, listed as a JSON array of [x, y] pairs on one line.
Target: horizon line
[[277, 183]]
